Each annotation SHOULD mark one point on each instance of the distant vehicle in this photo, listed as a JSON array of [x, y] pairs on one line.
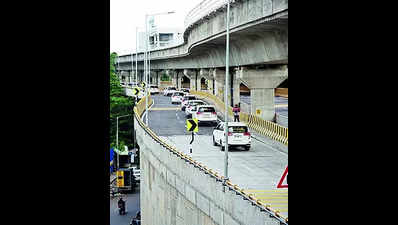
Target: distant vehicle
[[191, 107], [169, 91], [185, 99], [205, 113], [137, 219], [238, 135], [186, 90], [153, 89], [122, 83], [130, 84], [177, 96]]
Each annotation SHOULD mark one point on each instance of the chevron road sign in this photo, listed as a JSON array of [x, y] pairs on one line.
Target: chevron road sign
[[192, 125]]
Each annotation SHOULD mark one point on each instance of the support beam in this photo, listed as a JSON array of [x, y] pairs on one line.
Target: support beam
[[262, 83]]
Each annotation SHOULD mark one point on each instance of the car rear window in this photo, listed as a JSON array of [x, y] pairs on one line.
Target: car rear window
[[238, 129], [196, 103], [172, 88], [206, 109], [178, 94], [154, 86], [191, 98]]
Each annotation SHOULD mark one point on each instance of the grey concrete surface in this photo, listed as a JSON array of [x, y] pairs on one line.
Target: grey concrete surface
[[132, 207]]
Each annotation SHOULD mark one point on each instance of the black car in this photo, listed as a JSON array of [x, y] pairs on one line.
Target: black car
[[137, 219]]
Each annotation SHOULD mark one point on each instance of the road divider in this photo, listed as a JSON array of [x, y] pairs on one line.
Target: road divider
[[264, 127]]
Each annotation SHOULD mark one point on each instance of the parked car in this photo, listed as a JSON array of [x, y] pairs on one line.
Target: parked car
[[186, 90], [153, 89], [238, 135], [177, 96], [191, 107], [205, 113], [185, 99], [169, 91]]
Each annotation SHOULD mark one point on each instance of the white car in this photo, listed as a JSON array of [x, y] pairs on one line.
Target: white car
[[238, 135], [186, 90], [153, 89], [177, 96], [185, 99], [169, 91], [205, 113], [191, 107]]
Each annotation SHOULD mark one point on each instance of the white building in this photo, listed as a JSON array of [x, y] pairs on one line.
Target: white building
[[161, 38]]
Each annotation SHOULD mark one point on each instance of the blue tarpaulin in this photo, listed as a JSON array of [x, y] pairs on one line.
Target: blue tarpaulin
[[111, 161]]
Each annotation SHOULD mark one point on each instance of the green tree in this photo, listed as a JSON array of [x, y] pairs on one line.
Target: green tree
[[120, 105]]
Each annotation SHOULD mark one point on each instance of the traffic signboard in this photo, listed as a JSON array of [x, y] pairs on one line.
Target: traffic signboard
[[283, 181], [136, 91], [143, 84], [192, 125]]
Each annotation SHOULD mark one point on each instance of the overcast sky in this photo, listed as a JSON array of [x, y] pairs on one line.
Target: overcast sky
[[126, 15]]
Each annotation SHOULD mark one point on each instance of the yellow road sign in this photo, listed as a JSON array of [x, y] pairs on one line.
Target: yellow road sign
[[136, 91], [120, 178], [258, 112], [192, 125]]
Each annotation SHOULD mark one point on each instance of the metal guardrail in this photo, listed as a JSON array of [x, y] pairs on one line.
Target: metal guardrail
[[204, 8], [139, 110], [264, 127]]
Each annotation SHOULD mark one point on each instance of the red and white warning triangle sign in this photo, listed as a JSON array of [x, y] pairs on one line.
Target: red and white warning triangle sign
[[283, 181]]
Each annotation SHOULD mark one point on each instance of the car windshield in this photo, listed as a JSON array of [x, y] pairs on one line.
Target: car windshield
[[154, 86], [172, 88], [178, 94], [238, 129], [206, 109]]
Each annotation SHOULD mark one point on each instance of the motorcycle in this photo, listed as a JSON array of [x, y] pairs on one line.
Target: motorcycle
[[122, 209]]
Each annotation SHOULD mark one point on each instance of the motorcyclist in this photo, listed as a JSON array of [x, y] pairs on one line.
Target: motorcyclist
[[122, 206]]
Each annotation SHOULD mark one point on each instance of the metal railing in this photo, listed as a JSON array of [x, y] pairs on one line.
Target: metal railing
[[204, 8], [139, 110], [264, 127]]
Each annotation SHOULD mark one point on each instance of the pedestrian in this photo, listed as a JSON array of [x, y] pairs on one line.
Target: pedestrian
[[236, 111]]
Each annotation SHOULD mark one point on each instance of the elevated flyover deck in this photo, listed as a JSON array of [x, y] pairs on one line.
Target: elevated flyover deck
[[258, 170]]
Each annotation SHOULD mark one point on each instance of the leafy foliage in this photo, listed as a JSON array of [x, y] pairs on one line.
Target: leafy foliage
[[120, 105]]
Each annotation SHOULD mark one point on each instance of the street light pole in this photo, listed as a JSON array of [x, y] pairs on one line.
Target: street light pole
[[136, 55], [148, 59], [146, 77], [226, 97]]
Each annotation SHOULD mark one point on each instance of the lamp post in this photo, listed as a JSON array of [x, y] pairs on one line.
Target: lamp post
[[226, 98], [147, 58], [136, 55]]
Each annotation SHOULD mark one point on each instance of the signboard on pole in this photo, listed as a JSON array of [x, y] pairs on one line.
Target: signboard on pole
[[283, 182]]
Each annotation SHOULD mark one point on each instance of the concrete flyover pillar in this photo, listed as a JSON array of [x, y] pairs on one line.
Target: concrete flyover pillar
[[206, 73], [179, 77], [262, 83], [173, 75], [191, 74], [219, 79], [236, 87]]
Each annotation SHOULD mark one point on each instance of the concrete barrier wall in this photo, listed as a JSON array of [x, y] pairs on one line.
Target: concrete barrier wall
[[176, 192]]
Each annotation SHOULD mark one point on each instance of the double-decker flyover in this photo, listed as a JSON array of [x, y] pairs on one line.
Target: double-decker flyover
[[258, 52]]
